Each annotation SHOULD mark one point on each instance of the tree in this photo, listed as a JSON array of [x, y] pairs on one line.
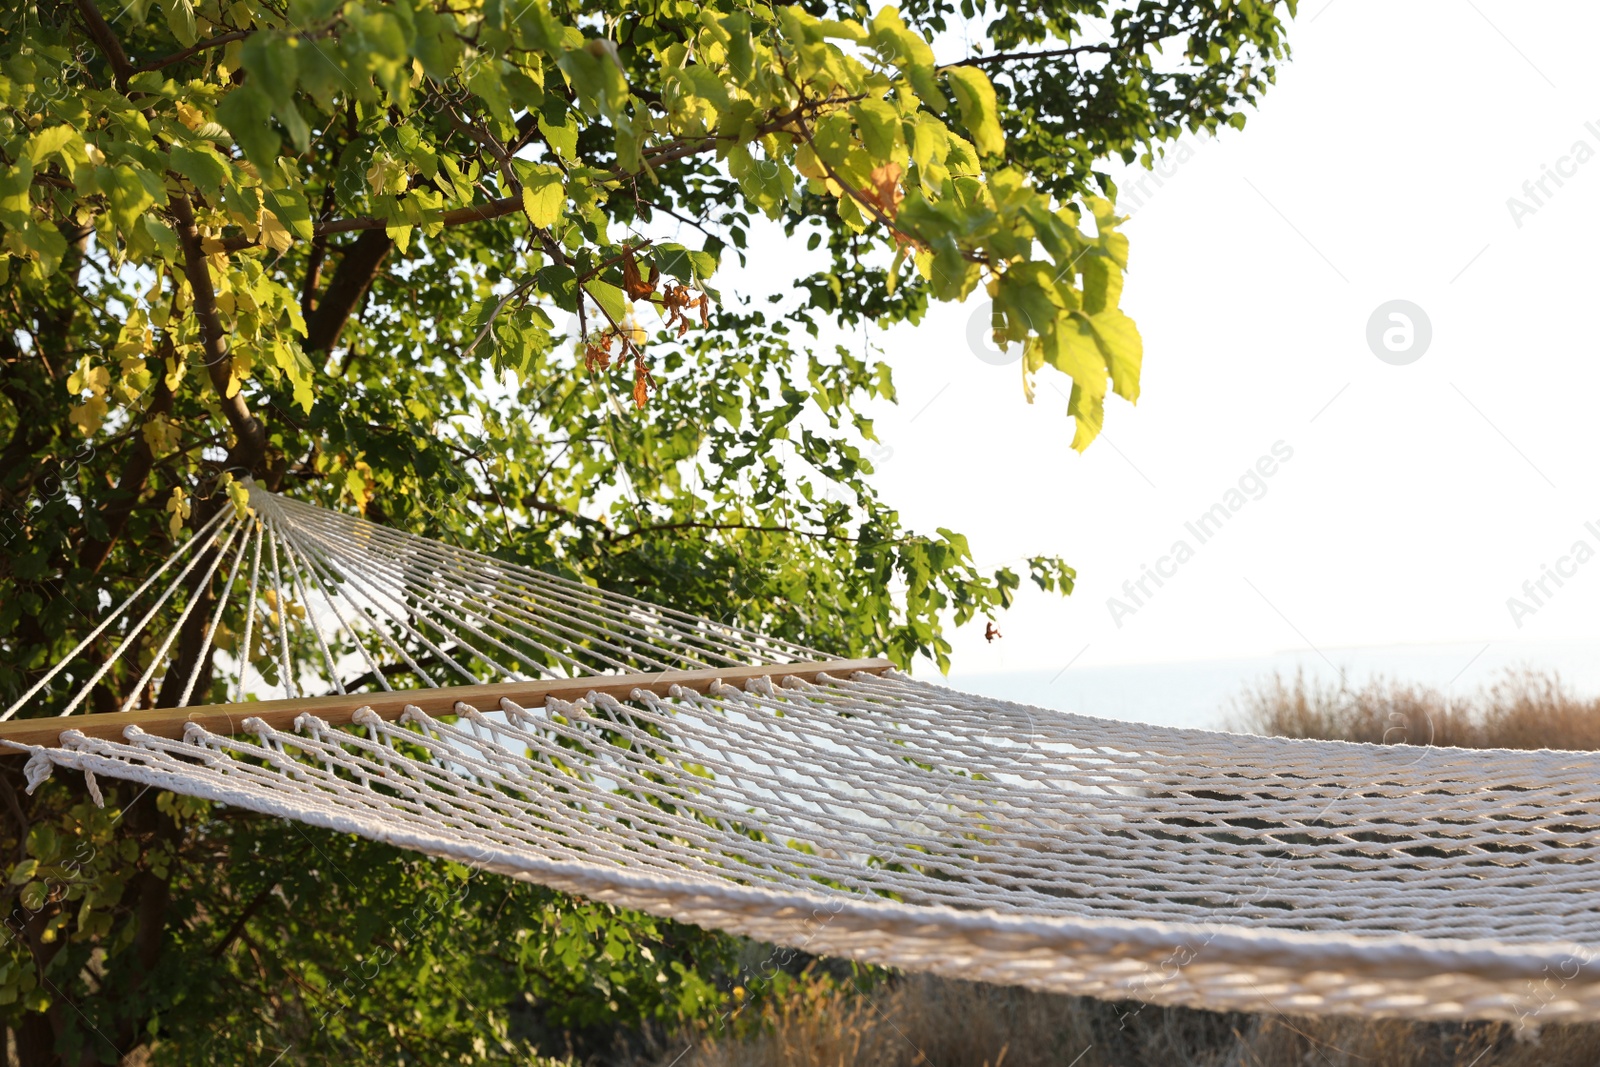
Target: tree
[[329, 246]]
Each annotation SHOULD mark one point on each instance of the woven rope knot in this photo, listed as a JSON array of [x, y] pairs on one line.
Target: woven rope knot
[[312, 725], [38, 769], [557, 706], [366, 717]]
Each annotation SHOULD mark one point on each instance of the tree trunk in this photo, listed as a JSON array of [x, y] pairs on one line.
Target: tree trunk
[[357, 269]]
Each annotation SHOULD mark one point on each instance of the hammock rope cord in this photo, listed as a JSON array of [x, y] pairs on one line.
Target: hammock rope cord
[[860, 813]]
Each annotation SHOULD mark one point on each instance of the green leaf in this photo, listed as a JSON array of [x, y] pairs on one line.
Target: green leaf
[[563, 136], [766, 182], [1029, 298], [180, 20], [543, 195], [523, 336], [202, 166], [436, 45], [247, 114], [323, 74], [880, 127], [702, 264], [979, 111], [293, 362], [46, 142], [485, 83], [1124, 351], [740, 44], [166, 240], [560, 285], [1052, 574], [1070, 348], [894, 43], [832, 137], [378, 40], [295, 123], [128, 195], [609, 297], [33, 895], [597, 76], [930, 140], [927, 87], [272, 62], [1089, 413], [290, 207], [1102, 283], [672, 259]]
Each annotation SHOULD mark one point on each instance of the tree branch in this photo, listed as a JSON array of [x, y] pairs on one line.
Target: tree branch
[[250, 451], [653, 206], [494, 209], [357, 269], [1126, 48], [389, 670], [314, 260], [1028, 57], [245, 916], [107, 42], [194, 49], [643, 531]]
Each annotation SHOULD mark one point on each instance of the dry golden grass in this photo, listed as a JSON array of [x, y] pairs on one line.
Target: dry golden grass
[[1525, 709], [923, 1021]]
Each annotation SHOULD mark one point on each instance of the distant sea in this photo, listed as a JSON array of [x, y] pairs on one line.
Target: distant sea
[[1201, 694]]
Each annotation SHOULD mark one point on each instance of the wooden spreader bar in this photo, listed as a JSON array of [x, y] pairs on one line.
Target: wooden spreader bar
[[337, 710]]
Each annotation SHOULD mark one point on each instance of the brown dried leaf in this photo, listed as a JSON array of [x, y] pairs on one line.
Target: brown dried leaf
[[641, 384], [886, 192], [597, 354], [635, 286]]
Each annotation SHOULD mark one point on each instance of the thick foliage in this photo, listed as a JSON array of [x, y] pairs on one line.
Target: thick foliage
[[455, 265]]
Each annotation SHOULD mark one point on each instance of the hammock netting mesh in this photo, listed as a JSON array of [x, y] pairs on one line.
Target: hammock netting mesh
[[863, 815]]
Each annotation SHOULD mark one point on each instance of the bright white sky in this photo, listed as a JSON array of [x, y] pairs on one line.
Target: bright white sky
[[1419, 497]]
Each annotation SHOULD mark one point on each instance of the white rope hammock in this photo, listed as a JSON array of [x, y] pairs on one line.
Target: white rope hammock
[[847, 812]]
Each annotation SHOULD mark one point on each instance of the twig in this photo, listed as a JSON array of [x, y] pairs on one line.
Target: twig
[[194, 49]]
